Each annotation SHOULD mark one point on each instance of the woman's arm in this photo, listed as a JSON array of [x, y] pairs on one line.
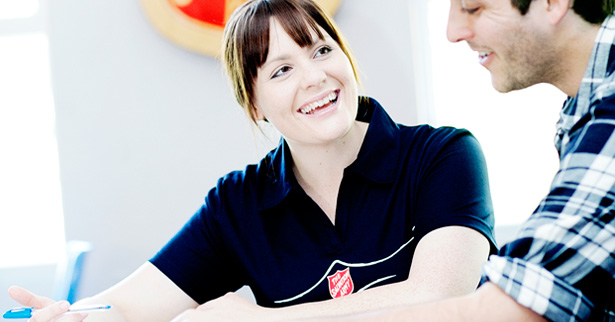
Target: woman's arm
[[145, 295], [487, 304], [446, 263]]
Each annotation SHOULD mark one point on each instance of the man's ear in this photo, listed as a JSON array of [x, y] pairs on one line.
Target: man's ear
[[557, 9]]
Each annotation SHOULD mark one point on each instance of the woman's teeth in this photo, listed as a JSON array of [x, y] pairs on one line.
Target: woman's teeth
[[482, 56], [318, 104]]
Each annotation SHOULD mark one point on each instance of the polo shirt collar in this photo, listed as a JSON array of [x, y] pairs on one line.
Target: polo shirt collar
[[379, 154], [377, 160]]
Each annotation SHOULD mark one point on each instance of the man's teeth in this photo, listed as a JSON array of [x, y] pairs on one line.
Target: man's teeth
[[482, 56], [314, 105]]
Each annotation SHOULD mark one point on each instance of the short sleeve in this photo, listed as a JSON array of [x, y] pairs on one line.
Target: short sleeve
[[454, 186], [196, 258]]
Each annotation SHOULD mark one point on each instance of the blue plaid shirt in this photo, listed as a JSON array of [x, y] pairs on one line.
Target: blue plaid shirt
[[562, 264]]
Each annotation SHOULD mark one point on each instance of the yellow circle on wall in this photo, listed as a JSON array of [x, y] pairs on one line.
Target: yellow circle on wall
[[198, 24]]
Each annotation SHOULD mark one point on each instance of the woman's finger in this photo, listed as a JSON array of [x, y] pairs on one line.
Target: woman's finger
[[51, 313], [27, 298]]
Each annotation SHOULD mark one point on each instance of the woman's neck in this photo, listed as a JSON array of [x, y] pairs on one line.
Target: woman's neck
[[316, 161], [319, 168]]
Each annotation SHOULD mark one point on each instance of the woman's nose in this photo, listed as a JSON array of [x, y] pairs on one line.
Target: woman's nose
[[314, 75]]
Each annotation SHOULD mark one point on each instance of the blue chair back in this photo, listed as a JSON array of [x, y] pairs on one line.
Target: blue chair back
[[68, 273]]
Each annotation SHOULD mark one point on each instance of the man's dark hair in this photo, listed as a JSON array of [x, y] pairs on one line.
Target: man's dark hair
[[593, 11]]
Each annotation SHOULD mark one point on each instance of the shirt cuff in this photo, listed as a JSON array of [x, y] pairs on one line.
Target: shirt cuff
[[538, 289]]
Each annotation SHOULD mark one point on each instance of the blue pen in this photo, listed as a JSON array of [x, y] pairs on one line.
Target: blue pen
[[26, 312]]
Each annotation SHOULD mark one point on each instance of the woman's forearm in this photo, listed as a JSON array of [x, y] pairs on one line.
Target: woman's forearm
[[446, 264]]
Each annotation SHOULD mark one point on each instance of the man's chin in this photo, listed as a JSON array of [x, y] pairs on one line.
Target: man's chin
[[507, 87]]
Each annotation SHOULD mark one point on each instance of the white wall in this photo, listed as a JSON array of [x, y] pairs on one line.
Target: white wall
[[145, 127]]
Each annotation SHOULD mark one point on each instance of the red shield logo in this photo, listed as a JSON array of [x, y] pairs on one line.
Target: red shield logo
[[340, 283]]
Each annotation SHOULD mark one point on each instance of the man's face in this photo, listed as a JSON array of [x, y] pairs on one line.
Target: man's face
[[514, 48]]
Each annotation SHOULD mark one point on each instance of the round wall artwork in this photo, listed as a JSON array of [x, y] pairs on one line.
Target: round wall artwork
[[198, 24]]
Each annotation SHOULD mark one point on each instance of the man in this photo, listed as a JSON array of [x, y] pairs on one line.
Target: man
[[562, 265]]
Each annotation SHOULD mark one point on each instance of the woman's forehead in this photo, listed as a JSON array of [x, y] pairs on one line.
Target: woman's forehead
[[281, 43], [304, 34], [276, 28]]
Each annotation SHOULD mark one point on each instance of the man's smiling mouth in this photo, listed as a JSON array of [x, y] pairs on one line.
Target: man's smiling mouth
[[482, 56]]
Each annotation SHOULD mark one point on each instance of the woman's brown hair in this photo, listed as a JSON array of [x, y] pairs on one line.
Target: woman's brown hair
[[246, 39]]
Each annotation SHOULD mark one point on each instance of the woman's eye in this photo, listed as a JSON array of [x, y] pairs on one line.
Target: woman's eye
[[283, 70], [323, 51]]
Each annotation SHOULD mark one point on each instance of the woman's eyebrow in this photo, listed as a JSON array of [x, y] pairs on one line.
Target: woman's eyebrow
[[275, 59]]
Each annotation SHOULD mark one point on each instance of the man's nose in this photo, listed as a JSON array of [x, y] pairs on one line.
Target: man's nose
[[459, 27]]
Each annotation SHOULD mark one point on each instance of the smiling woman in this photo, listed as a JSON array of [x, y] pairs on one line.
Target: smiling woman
[[350, 211]]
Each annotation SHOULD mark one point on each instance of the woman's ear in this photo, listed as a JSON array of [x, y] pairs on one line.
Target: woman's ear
[[257, 115]]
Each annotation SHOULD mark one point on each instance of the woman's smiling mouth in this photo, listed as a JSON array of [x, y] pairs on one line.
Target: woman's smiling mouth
[[320, 104]]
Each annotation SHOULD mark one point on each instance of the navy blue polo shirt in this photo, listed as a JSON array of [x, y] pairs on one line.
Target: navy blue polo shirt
[[258, 227]]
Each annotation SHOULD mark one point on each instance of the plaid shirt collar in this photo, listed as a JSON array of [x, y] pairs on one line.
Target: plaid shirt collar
[[600, 67]]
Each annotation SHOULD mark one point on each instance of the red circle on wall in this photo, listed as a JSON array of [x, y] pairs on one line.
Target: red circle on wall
[[198, 24]]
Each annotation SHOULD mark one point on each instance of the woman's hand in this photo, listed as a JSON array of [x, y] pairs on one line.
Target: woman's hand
[[45, 308], [230, 307]]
